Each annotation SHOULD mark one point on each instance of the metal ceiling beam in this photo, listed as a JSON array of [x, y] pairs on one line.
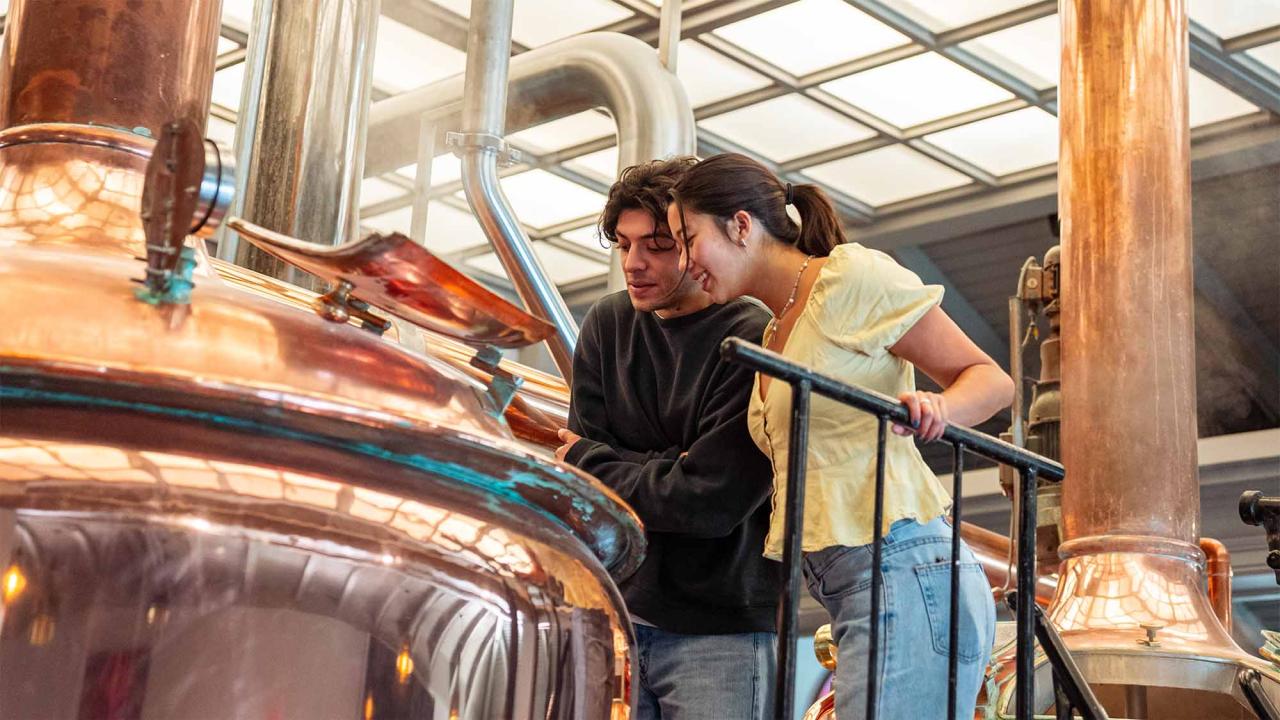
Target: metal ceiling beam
[[1251, 40], [698, 17], [1244, 148], [430, 19], [924, 37], [1244, 75], [956, 304]]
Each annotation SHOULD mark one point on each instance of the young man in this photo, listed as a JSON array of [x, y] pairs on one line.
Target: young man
[[658, 416]]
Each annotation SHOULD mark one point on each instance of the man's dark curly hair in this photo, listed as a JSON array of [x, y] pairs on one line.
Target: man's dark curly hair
[[647, 187]]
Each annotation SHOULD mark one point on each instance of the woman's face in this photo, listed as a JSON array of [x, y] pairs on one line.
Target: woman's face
[[714, 260]]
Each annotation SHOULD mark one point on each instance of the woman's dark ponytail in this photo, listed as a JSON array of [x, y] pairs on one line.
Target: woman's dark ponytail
[[820, 229], [723, 184]]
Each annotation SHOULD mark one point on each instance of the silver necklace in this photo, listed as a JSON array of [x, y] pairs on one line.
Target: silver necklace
[[773, 324]]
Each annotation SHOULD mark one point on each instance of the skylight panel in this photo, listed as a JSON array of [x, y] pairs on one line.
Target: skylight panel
[[887, 175], [375, 190], [708, 76], [226, 86], [1229, 18], [810, 35], [588, 237], [940, 15], [1030, 51], [786, 128], [406, 59], [1210, 102], [564, 132], [602, 163], [538, 22], [221, 131], [916, 90], [541, 199], [224, 45], [1005, 143], [449, 230], [237, 14], [445, 169], [562, 266], [1268, 55]]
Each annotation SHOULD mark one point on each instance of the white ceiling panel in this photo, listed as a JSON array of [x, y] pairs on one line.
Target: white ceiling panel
[[238, 14], [226, 86], [541, 199], [602, 163], [810, 35], [1005, 143], [887, 175], [449, 230], [1030, 50], [538, 22], [1268, 55], [221, 131], [588, 237], [1209, 102], [708, 76], [940, 15], [406, 59], [916, 90], [786, 127], [1229, 18], [565, 132], [445, 169], [563, 266], [376, 190]]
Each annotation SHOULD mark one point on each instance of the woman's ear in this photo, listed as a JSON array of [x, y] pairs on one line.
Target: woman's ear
[[740, 227]]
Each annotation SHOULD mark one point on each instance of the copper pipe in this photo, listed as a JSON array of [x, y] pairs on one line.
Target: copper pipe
[[1218, 568], [992, 550], [132, 64], [1128, 372]]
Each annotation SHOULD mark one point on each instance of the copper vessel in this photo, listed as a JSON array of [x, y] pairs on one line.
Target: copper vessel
[[228, 506]]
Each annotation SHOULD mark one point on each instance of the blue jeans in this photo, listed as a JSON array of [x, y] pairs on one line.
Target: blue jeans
[[704, 677], [914, 622]]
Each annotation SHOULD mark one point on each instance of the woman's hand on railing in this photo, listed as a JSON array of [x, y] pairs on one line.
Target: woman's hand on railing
[[928, 415]]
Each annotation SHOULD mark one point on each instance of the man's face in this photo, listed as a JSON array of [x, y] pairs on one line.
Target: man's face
[[651, 263]]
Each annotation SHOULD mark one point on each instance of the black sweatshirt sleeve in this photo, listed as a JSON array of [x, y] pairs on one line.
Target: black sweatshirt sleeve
[[708, 491]]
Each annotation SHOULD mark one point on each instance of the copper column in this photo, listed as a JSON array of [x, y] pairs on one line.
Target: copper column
[[130, 64], [1131, 503], [1129, 406]]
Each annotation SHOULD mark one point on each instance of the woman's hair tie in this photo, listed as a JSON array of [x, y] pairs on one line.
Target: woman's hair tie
[[791, 195]]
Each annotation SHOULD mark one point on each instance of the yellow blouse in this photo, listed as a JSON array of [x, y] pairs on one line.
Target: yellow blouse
[[861, 304]]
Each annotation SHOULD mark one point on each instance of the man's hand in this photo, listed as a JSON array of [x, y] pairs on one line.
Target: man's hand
[[568, 438]]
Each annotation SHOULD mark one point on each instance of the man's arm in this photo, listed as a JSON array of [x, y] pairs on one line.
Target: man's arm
[[708, 490]]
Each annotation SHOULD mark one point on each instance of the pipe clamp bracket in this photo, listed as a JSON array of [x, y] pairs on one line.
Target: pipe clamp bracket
[[463, 143]]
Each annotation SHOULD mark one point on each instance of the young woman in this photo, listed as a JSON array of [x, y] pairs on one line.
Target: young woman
[[855, 314]]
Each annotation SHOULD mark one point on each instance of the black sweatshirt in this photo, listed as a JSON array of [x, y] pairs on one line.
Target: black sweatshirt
[[663, 421]]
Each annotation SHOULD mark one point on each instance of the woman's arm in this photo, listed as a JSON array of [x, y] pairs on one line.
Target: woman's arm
[[975, 387]]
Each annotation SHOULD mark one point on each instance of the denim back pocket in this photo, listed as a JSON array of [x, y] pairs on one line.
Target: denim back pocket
[[935, 586]]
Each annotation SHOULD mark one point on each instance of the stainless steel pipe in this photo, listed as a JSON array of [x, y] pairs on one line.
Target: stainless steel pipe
[[300, 137], [484, 106]]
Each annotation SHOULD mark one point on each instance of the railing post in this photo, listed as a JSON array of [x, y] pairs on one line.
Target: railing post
[[1026, 605], [953, 638], [877, 573], [793, 532]]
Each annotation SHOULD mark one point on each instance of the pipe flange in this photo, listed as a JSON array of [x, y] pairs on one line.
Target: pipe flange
[[462, 143]]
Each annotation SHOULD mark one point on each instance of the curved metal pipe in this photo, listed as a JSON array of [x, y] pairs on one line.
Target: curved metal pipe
[[479, 145], [617, 72]]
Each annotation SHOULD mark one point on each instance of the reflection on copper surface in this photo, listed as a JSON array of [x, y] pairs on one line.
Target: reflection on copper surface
[[119, 63], [215, 540], [395, 274]]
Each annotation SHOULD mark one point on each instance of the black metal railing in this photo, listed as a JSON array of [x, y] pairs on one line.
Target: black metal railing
[[1069, 686]]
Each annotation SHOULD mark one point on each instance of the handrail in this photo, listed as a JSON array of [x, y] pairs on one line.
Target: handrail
[[1069, 685], [774, 365]]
